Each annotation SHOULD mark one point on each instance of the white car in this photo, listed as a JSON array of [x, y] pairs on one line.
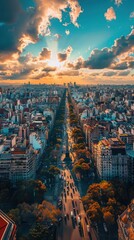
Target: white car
[[88, 228], [72, 214], [78, 219]]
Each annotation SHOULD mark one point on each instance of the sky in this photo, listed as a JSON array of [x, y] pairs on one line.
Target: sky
[[57, 41]]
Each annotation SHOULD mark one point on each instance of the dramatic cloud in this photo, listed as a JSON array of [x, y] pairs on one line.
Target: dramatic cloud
[[23, 26], [123, 44], [78, 64], [68, 73], [110, 14], [45, 54], [109, 73], [120, 66], [49, 69], [100, 58], [132, 14], [67, 32], [24, 23], [9, 11], [109, 57], [124, 73], [63, 56], [75, 11], [118, 2]]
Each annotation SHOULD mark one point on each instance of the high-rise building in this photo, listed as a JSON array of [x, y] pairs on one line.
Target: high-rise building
[[111, 159], [18, 164]]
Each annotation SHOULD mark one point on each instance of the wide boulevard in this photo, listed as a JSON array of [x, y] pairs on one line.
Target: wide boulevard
[[75, 224]]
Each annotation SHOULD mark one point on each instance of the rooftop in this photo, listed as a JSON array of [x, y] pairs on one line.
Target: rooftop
[[126, 221], [7, 227]]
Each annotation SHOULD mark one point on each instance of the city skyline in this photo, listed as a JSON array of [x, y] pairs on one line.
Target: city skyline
[[61, 41], [67, 162]]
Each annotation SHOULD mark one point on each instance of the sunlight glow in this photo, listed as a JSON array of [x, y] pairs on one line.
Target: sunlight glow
[[53, 45], [53, 62]]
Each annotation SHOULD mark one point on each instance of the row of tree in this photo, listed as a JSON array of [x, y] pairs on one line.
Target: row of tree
[[49, 169], [104, 201], [37, 221], [81, 165], [56, 137]]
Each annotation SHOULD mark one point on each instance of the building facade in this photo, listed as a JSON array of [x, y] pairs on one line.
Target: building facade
[[18, 164], [126, 223], [111, 159]]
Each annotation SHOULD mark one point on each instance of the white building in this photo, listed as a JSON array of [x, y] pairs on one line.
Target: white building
[[18, 164], [111, 159]]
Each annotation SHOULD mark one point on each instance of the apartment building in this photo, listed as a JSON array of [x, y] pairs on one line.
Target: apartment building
[[18, 164], [111, 159]]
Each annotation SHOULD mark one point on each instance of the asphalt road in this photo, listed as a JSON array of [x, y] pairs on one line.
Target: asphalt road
[[69, 228], [72, 227]]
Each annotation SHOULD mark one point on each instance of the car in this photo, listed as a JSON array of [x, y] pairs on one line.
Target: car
[[60, 201], [72, 215], [105, 227], [59, 204], [88, 228], [59, 219], [78, 219]]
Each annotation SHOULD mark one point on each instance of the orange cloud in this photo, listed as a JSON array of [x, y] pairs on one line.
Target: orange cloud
[[110, 14]]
